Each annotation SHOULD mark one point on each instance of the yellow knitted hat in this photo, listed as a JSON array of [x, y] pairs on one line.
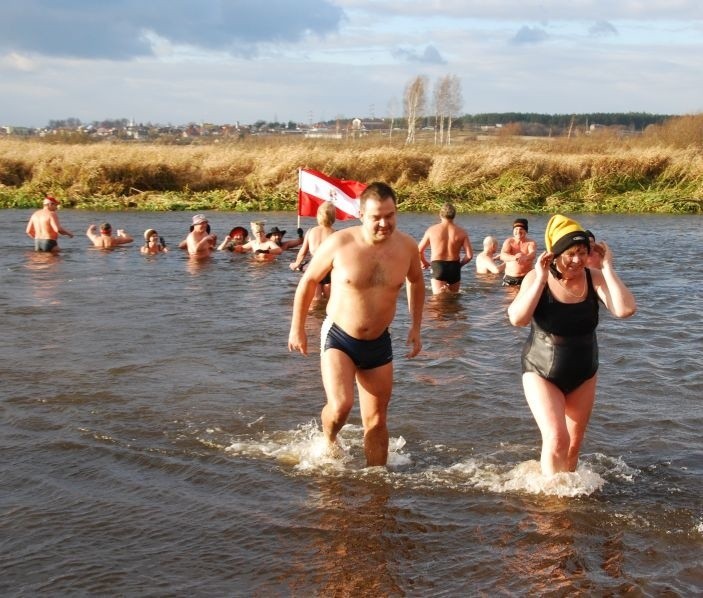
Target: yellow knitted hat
[[563, 232]]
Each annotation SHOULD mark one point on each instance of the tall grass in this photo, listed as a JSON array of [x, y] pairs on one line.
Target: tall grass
[[502, 175]]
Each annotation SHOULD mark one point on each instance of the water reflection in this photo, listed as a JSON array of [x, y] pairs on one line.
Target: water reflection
[[552, 554], [43, 288], [356, 534], [197, 266]]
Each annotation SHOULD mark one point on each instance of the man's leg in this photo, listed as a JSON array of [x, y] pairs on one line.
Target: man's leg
[[438, 286], [338, 380], [375, 388]]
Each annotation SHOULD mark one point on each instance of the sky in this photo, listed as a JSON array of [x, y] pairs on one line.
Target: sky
[[240, 61]]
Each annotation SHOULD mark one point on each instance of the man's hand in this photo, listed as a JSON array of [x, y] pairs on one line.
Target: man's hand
[[298, 342], [414, 342]]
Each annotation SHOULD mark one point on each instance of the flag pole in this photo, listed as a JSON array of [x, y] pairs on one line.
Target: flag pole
[[300, 170]]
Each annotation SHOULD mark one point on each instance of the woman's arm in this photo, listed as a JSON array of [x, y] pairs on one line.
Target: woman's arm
[[523, 306], [612, 291]]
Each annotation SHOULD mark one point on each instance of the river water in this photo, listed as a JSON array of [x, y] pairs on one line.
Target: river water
[[158, 439]]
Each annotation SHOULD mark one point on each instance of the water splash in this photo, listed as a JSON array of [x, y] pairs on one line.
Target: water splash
[[307, 449]]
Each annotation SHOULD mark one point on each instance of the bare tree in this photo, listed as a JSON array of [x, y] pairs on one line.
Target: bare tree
[[415, 99], [392, 110], [440, 97], [454, 102], [447, 101]]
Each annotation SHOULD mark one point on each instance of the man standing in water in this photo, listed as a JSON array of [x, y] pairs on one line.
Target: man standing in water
[[518, 253], [44, 227], [446, 241], [369, 264]]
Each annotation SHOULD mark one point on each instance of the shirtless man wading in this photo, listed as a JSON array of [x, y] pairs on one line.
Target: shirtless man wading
[[44, 227], [518, 253], [369, 264], [446, 240]]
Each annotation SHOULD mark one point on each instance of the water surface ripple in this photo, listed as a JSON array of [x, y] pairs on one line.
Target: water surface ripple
[[159, 439]]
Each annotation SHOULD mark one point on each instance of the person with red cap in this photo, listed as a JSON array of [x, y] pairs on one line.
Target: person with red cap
[[560, 300], [104, 239], [44, 227]]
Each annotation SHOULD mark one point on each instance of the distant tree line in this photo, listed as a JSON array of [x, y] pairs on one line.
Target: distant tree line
[[635, 120]]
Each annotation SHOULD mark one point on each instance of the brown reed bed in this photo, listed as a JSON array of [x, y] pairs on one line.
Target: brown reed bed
[[497, 175]]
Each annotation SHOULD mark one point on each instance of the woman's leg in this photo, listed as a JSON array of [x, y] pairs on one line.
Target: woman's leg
[[548, 404]]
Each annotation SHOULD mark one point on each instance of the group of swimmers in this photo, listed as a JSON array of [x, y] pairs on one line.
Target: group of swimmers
[[44, 227], [448, 241], [558, 296]]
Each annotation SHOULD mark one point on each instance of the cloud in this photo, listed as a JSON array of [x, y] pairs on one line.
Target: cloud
[[119, 29], [532, 10], [17, 62], [602, 28], [430, 56], [529, 35]]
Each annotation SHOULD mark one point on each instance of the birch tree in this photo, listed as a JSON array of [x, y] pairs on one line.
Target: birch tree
[[454, 102], [415, 99], [448, 102], [440, 102]]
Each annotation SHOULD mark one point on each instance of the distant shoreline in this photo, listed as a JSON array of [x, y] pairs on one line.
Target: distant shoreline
[[498, 176]]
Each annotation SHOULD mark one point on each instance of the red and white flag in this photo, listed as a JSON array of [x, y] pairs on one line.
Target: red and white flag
[[315, 188]]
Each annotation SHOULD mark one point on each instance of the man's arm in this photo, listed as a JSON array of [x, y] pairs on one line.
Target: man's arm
[[468, 251], [319, 266], [122, 238], [58, 228], [531, 251], [30, 227], [415, 288], [421, 247], [302, 252], [506, 255], [90, 233], [274, 249]]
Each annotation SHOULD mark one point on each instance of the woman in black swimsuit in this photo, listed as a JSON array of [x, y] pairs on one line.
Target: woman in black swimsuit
[[560, 299]]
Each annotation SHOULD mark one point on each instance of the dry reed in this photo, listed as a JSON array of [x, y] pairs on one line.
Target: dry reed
[[498, 175]]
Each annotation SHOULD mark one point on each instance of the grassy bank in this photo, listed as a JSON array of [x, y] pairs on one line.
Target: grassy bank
[[501, 175]]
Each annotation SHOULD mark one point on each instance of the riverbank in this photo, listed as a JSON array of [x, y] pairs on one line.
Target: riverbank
[[495, 176]]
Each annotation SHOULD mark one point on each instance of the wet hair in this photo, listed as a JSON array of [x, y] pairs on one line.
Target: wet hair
[[488, 241], [378, 190], [447, 211], [326, 214]]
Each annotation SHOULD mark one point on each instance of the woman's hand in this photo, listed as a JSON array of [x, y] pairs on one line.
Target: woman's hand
[[542, 266]]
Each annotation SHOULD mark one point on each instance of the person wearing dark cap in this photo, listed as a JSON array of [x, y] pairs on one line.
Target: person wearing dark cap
[[276, 235], [518, 253], [104, 239], [234, 240], [560, 300], [44, 227]]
